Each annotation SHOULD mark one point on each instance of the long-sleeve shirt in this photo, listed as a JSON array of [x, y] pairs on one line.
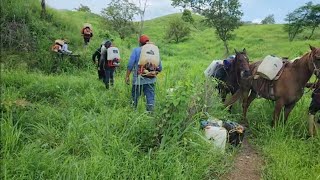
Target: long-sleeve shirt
[[65, 49], [96, 54], [133, 66], [316, 92]]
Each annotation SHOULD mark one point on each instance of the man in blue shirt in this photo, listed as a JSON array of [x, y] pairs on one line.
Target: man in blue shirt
[[140, 83]]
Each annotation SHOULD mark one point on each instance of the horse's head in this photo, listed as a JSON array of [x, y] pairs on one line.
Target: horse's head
[[242, 63], [315, 59]]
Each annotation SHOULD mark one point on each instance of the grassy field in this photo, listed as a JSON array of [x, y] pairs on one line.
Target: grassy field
[[65, 125]]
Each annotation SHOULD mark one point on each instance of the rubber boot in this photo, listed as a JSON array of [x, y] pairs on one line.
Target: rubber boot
[[311, 125]]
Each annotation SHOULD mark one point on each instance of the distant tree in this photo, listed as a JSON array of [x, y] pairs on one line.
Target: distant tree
[[306, 16], [222, 15], [268, 20], [142, 10], [187, 16], [313, 19], [177, 30], [120, 14], [83, 8]]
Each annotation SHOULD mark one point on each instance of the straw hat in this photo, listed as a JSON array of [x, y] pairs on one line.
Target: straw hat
[[59, 41], [87, 25]]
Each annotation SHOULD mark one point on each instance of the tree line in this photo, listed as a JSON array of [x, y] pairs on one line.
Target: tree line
[[224, 16]]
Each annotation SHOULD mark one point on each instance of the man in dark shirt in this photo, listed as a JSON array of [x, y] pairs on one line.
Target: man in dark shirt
[[314, 107], [96, 58]]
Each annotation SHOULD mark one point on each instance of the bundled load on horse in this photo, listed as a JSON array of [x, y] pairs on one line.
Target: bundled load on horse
[[212, 68], [270, 67], [218, 68], [149, 60]]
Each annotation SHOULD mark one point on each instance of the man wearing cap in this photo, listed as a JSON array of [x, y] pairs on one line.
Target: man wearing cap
[[140, 83], [109, 71]]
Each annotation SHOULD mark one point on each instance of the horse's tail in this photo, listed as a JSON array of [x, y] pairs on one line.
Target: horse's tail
[[233, 99]]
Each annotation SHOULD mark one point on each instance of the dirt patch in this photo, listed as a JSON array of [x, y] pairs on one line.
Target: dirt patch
[[247, 165]]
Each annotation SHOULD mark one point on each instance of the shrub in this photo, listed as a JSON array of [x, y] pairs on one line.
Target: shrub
[[177, 30]]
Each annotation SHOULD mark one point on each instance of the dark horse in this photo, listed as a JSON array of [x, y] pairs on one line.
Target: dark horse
[[287, 90], [238, 69]]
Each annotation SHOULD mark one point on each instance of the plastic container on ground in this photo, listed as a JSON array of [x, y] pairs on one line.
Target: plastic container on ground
[[218, 136]]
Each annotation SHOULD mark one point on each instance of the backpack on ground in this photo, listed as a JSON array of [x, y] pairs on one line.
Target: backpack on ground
[[113, 57], [149, 60]]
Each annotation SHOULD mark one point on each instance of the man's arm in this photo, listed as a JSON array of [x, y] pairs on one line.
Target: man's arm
[[94, 55], [130, 66]]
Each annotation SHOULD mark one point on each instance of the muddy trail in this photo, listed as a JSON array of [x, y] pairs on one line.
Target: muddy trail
[[247, 164]]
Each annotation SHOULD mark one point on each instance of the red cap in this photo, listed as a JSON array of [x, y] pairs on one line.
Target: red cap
[[143, 39]]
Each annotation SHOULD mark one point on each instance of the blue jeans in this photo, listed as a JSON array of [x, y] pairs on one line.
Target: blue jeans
[[109, 77], [148, 91]]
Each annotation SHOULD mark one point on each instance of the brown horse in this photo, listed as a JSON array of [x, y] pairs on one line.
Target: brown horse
[[232, 74], [286, 91]]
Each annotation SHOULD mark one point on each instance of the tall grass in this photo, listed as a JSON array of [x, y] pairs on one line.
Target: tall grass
[[65, 125]]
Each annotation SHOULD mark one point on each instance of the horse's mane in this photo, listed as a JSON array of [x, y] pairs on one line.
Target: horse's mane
[[306, 56]]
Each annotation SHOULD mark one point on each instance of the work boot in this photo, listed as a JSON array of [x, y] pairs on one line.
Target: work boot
[[312, 125]]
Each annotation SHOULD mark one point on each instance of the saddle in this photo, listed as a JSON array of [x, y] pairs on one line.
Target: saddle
[[266, 86]]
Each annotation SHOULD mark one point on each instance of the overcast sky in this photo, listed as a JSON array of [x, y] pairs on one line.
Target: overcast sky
[[254, 10]]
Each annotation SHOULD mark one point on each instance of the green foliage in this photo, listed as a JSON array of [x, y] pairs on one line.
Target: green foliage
[[222, 15], [120, 15], [268, 20], [83, 8], [306, 16], [187, 16], [177, 30]]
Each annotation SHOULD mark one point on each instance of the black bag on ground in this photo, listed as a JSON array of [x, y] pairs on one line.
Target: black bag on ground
[[235, 132]]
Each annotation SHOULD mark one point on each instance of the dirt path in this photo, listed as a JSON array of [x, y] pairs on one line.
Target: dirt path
[[247, 165]]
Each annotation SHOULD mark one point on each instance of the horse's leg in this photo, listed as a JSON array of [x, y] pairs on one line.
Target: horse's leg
[[251, 97], [288, 108], [277, 110], [245, 105], [233, 99]]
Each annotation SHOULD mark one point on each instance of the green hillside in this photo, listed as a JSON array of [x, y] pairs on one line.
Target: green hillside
[[66, 125]]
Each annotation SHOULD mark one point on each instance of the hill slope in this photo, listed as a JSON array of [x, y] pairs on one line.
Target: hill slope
[[66, 125]]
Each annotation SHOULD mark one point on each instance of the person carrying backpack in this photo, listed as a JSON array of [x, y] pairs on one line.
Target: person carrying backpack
[[109, 60], [87, 34], [96, 58], [314, 107], [145, 64]]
